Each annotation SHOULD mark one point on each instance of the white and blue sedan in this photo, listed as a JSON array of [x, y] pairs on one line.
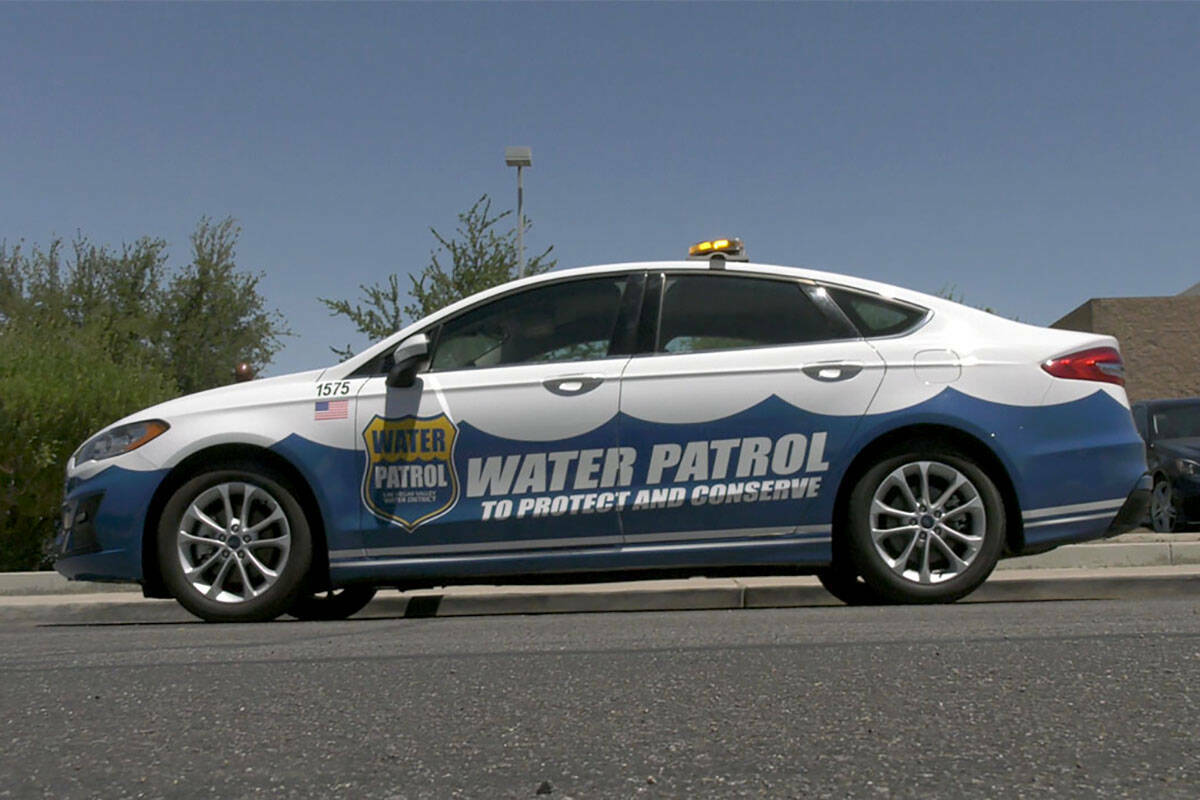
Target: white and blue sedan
[[700, 417]]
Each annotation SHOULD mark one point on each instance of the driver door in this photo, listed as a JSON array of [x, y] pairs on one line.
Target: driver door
[[513, 422]]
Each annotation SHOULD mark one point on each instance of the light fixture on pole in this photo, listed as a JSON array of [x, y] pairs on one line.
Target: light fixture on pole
[[519, 157]]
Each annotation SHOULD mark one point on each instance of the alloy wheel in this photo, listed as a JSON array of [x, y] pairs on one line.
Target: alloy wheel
[[1162, 508], [233, 542], [927, 522]]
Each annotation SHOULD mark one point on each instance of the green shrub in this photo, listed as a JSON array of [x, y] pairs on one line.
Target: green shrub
[[89, 334], [58, 385]]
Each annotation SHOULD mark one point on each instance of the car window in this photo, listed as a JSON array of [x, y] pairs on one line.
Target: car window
[[874, 316], [722, 312], [1176, 421], [569, 321]]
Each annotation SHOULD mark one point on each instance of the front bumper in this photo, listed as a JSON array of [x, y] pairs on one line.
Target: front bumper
[[104, 516], [1187, 492]]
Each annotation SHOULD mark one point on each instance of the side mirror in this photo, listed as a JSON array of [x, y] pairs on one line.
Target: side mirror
[[407, 356]]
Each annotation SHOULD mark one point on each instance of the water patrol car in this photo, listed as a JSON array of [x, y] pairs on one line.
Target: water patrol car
[[708, 416]]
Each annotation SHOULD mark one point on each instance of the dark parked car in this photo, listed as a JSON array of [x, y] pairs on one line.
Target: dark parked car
[[1171, 429]]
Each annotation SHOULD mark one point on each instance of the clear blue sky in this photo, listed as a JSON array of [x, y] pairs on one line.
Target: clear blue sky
[[1031, 155]]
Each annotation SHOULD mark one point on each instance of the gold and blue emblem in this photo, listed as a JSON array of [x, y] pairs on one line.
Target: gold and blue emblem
[[409, 477]]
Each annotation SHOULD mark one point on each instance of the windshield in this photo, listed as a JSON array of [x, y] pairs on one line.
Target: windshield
[[1176, 422]]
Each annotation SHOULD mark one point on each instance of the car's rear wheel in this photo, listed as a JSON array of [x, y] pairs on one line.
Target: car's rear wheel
[[925, 526], [842, 580], [234, 545], [332, 604], [1164, 507]]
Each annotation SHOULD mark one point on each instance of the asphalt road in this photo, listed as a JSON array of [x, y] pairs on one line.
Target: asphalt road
[[1071, 699]]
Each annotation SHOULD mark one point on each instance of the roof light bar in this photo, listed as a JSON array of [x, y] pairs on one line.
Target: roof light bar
[[730, 249]]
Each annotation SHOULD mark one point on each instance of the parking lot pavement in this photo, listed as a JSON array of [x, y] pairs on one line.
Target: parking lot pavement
[[1091, 699]]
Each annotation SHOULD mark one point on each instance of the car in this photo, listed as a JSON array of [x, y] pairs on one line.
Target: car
[[1171, 429], [710, 416]]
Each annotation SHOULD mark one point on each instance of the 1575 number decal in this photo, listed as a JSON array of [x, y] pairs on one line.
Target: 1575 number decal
[[333, 389]]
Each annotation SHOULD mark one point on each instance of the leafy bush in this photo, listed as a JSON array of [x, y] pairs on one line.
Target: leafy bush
[[58, 385], [89, 334]]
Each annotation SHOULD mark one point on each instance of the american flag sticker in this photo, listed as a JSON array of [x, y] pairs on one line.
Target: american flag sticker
[[331, 409]]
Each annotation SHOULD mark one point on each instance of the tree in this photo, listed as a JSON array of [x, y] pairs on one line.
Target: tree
[[214, 315], [58, 385], [477, 257], [89, 334], [117, 296], [196, 322]]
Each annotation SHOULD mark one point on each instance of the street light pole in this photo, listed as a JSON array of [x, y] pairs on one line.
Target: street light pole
[[520, 224], [519, 157]]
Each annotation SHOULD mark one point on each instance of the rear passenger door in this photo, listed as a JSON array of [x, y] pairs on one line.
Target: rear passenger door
[[741, 413]]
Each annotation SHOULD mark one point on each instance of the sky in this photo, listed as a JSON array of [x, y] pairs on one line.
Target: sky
[[1029, 156]]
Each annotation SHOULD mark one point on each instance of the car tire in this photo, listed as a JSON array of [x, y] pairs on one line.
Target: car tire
[[1164, 507], [333, 604], [925, 525], [842, 581], [234, 545]]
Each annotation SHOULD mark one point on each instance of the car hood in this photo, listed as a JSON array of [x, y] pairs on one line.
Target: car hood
[[237, 395]]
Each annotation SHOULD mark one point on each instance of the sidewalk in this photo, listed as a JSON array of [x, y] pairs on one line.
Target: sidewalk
[[1141, 548], [1134, 565]]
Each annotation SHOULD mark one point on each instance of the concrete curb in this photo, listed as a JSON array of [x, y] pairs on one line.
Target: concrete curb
[[35, 583], [673, 595]]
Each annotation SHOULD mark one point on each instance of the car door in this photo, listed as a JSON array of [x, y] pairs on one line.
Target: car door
[[741, 414], [498, 443]]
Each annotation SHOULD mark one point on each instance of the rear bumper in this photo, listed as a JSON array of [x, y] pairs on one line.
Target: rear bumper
[[1132, 514], [1047, 528]]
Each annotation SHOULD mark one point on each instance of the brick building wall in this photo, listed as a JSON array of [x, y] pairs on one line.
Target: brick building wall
[[1159, 337]]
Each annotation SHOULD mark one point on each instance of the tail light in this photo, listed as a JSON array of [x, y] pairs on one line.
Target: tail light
[[1095, 364]]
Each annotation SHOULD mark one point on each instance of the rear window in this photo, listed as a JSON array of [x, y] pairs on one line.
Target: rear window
[[874, 316], [725, 312]]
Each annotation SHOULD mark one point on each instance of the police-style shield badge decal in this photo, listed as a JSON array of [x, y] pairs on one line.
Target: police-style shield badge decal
[[410, 476]]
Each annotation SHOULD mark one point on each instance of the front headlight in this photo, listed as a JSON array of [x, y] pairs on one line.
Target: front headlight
[[1187, 467], [121, 439]]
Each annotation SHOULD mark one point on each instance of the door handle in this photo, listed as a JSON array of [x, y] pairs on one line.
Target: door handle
[[832, 371], [572, 385]]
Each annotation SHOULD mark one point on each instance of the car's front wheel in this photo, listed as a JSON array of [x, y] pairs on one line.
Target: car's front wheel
[[234, 545], [925, 526], [1164, 507]]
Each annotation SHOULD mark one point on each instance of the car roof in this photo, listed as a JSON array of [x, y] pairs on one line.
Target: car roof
[[730, 267], [699, 265]]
